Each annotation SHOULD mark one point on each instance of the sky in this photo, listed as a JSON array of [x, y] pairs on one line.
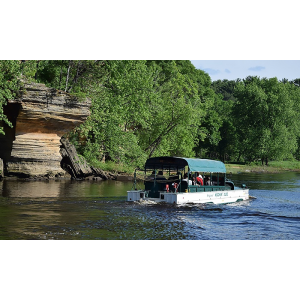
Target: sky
[[233, 69]]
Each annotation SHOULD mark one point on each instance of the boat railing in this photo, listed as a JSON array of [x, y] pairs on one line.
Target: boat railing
[[161, 180], [207, 188]]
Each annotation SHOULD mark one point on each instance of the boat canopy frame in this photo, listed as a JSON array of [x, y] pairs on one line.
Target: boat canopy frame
[[179, 163]]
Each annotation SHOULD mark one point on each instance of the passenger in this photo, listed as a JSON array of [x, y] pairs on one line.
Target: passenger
[[174, 177], [152, 176], [185, 178], [208, 181], [160, 176], [199, 179]]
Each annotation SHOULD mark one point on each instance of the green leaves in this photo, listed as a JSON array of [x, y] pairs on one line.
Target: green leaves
[[9, 85], [145, 108], [266, 118]]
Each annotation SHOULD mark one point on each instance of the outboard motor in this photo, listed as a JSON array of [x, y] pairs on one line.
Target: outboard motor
[[230, 183]]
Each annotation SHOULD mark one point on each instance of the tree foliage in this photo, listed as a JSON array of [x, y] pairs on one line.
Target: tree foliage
[[225, 88], [151, 108], [142, 109], [266, 119], [9, 85]]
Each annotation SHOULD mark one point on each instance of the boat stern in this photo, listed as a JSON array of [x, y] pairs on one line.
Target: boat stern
[[136, 195]]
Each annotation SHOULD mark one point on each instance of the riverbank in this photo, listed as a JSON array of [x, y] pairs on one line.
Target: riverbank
[[234, 168], [126, 172], [273, 167]]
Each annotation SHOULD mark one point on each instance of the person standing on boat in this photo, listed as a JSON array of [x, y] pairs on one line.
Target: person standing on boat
[[199, 179], [185, 178]]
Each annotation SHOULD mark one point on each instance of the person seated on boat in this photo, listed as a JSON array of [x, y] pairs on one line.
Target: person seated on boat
[[185, 178], [160, 176], [152, 176], [199, 179], [207, 181], [214, 180], [174, 177]]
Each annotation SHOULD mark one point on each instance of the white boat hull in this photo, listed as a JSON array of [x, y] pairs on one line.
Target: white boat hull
[[216, 197]]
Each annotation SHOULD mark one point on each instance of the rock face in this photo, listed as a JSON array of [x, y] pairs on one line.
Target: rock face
[[77, 166], [71, 162], [40, 116], [1, 168]]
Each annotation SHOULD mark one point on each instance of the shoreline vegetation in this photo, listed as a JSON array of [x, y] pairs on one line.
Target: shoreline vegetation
[[231, 168], [125, 173], [273, 167]]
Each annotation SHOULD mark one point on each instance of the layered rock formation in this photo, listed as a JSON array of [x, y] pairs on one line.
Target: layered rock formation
[[41, 116], [1, 168]]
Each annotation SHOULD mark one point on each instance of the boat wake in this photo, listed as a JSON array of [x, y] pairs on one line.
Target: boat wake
[[147, 202]]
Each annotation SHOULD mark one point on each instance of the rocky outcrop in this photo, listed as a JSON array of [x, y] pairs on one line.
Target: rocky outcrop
[[77, 166], [40, 116], [1, 168]]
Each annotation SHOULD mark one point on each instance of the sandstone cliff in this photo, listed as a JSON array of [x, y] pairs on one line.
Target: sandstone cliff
[[1, 168], [40, 116]]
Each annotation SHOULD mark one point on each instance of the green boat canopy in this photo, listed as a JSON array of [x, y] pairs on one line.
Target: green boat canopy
[[179, 163]]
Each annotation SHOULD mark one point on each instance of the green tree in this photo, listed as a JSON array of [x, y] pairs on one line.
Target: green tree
[[227, 147], [265, 119], [225, 88], [143, 108], [296, 82], [175, 111], [9, 86], [72, 76], [146, 108], [119, 109]]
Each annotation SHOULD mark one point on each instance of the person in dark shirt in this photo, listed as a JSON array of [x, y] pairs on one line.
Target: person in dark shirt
[[208, 182]]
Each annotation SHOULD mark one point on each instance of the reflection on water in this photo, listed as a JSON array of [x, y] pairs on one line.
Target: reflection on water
[[67, 209], [277, 182], [42, 209], [64, 188]]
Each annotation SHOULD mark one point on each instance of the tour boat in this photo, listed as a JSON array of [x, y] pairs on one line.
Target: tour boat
[[174, 180]]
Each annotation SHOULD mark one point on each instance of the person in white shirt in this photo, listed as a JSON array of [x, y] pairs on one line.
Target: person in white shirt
[[185, 178]]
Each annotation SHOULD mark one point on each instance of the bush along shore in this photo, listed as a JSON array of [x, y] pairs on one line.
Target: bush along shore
[[126, 172], [113, 171]]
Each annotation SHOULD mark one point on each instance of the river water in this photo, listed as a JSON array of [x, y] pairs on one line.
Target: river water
[[91, 210]]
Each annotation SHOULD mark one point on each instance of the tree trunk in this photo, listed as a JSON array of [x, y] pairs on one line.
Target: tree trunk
[[37, 67], [60, 76], [68, 74], [75, 77], [71, 162], [77, 166]]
